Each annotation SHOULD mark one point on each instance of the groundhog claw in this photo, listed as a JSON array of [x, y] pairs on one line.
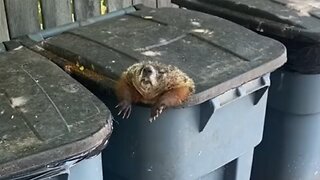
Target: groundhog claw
[[125, 108], [155, 112]]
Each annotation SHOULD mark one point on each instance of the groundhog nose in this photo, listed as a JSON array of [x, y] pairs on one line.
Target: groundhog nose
[[147, 71]]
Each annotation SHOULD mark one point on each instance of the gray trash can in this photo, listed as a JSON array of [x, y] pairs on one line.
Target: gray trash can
[[214, 134], [290, 148], [51, 127]]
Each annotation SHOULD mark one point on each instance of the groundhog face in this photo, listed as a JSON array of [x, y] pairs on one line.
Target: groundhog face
[[149, 77]]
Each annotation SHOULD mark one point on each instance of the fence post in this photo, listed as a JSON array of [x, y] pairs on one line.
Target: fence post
[[22, 17], [4, 34], [55, 12], [114, 5], [84, 9]]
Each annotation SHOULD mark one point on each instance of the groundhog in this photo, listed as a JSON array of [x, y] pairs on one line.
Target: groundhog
[[152, 83]]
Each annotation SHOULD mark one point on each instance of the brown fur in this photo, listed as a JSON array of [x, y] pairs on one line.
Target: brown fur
[[171, 88]]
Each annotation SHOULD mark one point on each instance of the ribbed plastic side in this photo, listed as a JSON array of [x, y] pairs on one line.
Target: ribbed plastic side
[[290, 147], [176, 147]]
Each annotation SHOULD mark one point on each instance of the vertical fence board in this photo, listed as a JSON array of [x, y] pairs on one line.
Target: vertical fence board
[[22, 16], [114, 5], [149, 3], [84, 9], [164, 3], [55, 12], [4, 34]]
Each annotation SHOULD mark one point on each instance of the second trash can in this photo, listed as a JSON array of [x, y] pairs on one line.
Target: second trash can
[[290, 148], [51, 127], [214, 134]]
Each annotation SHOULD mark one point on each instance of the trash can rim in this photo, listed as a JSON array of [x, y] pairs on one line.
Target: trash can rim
[[290, 26], [37, 161]]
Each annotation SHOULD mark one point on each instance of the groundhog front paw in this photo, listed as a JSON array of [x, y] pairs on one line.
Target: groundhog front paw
[[125, 108], [156, 111]]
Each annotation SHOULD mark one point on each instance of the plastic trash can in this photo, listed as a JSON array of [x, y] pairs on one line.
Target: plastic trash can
[[51, 127], [213, 135], [289, 149]]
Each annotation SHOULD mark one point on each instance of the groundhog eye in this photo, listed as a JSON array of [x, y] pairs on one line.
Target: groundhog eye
[[161, 71]]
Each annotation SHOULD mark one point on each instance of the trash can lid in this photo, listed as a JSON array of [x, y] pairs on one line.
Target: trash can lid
[[45, 116], [217, 54], [291, 19]]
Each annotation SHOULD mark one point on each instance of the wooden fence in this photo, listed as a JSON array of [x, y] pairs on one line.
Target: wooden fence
[[20, 17]]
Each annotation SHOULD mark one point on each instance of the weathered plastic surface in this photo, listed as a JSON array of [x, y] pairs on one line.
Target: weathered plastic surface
[[295, 23], [292, 19], [290, 148], [217, 54], [237, 169], [47, 119], [86, 169]]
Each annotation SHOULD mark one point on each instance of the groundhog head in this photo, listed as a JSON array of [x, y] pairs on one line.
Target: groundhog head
[[153, 83]]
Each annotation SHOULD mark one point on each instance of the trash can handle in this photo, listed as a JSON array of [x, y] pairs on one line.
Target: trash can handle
[[258, 86], [207, 109]]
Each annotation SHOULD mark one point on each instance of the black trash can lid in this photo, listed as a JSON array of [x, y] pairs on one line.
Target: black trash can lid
[[291, 19], [217, 54], [46, 117]]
